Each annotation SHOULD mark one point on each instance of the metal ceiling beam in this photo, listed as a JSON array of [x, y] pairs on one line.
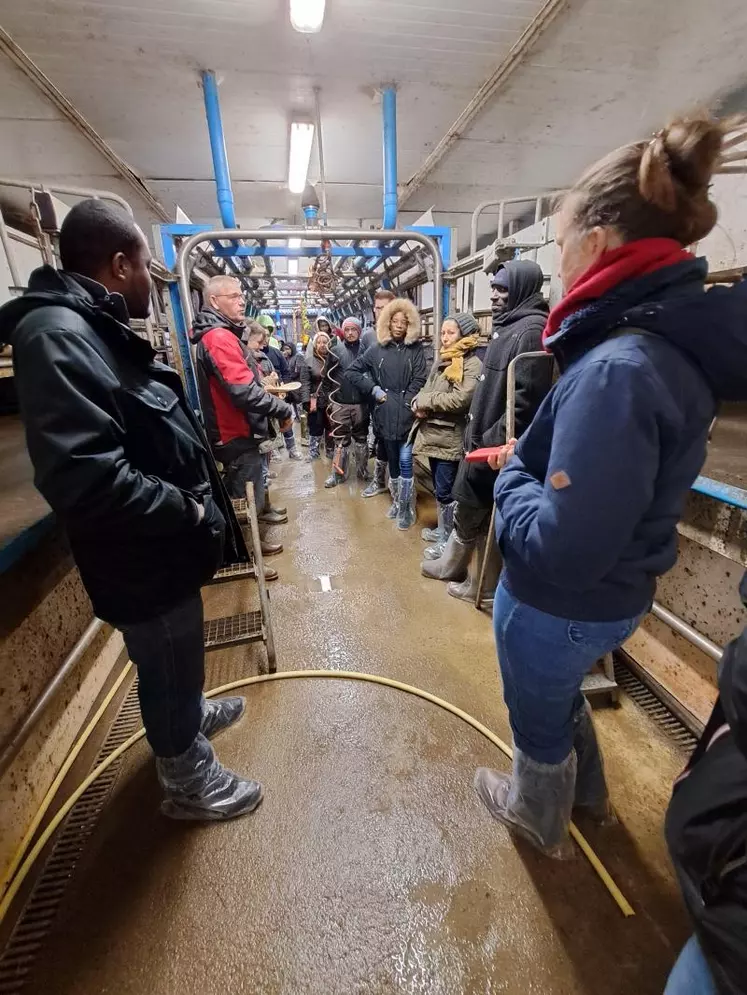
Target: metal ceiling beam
[[500, 75], [29, 68]]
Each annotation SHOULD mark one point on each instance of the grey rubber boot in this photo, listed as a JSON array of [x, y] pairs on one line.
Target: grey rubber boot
[[342, 456], [304, 423], [452, 564], [535, 800], [467, 590], [433, 552], [295, 453], [407, 515], [361, 461], [393, 509], [315, 447], [378, 482], [198, 787], [220, 713], [591, 797]]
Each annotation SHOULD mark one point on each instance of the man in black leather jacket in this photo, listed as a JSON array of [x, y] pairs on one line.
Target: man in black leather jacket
[[123, 462]]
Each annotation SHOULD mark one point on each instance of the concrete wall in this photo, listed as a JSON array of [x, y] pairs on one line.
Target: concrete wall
[[45, 611]]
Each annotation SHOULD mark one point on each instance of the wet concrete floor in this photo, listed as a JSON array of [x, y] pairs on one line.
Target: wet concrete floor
[[370, 867]]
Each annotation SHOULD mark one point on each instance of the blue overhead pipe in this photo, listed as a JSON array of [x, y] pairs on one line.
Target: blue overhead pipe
[[389, 111], [218, 149]]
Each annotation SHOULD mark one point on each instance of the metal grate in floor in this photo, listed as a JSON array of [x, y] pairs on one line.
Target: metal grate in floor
[[232, 630], [242, 512], [647, 700], [235, 571], [40, 911]]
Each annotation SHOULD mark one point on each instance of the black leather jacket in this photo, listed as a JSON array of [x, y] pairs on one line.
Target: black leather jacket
[[117, 452]]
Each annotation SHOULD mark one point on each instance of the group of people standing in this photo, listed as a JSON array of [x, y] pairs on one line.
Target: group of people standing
[[586, 501]]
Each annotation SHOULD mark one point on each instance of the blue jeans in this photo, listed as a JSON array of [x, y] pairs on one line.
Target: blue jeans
[[691, 975], [443, 473], [399, 457], [543, 660], [169, 654]]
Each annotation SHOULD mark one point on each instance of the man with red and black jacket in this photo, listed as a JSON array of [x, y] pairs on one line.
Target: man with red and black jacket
[[236, 406]]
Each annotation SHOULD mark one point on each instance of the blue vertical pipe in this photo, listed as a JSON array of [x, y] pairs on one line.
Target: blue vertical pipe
[[389, 111], [218, 149]]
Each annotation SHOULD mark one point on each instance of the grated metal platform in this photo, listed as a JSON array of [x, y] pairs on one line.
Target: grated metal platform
[[233, 630], [234, 571]]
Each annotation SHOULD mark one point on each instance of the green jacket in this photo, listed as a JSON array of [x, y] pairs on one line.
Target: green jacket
[[440, 434]]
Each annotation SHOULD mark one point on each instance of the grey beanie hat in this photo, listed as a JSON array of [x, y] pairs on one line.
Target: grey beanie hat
[[467, 323]]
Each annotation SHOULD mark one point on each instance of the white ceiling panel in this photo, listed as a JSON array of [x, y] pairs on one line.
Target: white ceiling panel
[[605, 72]]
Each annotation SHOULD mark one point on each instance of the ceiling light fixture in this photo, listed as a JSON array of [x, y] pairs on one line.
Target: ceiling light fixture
[[301, 140], [307, 16]]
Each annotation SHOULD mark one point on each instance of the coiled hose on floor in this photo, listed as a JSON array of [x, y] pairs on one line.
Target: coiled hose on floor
[[344, 675]]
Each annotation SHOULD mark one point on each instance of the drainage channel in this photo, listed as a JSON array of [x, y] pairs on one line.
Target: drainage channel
[[39, 913], [654, 707]]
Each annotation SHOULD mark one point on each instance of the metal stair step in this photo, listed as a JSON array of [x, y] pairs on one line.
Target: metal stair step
[[233, 630]]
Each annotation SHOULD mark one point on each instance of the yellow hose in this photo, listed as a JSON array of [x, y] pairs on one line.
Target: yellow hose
[[345, 675], [81, 741]]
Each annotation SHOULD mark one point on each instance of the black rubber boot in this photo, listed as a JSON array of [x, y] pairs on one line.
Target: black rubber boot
[[378, 483]]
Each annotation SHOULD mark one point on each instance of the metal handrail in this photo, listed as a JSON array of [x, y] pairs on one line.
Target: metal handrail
[[18, 736]]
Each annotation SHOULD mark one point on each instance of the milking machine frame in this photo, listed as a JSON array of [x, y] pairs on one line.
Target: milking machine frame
[[182, 259]]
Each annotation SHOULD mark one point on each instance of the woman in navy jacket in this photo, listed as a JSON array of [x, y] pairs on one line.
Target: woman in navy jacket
[[587, 507]]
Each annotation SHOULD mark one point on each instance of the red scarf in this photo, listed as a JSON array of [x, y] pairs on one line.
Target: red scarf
[[631, 260]]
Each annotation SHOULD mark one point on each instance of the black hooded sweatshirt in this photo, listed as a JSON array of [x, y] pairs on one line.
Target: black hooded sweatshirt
[[706, 826], [516, 330]]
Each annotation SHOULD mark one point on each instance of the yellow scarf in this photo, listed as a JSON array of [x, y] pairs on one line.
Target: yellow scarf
[[454, 372]]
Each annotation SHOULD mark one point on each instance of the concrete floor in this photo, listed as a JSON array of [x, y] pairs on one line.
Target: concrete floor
[[370, 867]]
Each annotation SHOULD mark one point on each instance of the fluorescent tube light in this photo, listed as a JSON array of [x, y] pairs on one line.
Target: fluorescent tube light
[[301, 140], [307, 16]]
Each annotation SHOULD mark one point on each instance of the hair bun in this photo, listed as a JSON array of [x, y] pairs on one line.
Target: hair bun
[[679, 161]]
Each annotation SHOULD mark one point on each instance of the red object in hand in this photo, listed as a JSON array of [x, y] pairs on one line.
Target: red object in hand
[[483, 455]]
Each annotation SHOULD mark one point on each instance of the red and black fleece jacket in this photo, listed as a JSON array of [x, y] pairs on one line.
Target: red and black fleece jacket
[[235, 404]]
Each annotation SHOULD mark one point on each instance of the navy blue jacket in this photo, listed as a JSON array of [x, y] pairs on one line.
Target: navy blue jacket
[[586, 511]]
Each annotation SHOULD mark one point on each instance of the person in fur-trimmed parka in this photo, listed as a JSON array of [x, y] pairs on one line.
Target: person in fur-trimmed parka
[[392, 372]]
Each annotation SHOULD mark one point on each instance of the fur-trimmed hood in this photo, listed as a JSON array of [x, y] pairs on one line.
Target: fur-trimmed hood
[[384, 336]]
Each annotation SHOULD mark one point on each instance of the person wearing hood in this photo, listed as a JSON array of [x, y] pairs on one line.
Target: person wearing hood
[[391, 373], [519, 316], [274, 353], [234, 402], [324, 325], [299, 373], [273, 342], [441, 410], [317, 355], [587, 507], [706, 829], [348, 408], [124, 463]]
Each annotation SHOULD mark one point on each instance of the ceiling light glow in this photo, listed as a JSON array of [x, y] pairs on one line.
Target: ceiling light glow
[[307, 16]]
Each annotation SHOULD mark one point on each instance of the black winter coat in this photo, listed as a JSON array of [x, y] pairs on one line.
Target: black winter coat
[[116, 449], [299, 371], [399, 369], [342, 356], [517, 330], [706, 826]]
